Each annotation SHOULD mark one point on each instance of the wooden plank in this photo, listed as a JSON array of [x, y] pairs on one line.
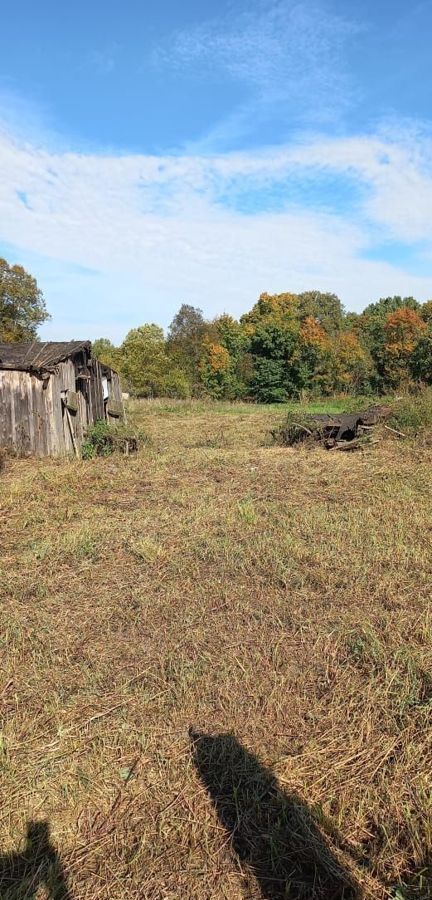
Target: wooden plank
[[71, 430], [42, 422], [114, 408], [66, 380], [5, 411], [98, 410], [54, 410], [71, 401], [28, 423], [13, 387], [22, 413]]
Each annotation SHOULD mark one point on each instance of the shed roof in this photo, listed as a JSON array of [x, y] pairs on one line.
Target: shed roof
[[39, 355]]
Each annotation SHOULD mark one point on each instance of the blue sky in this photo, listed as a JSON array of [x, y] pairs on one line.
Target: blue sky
[[203, 152]]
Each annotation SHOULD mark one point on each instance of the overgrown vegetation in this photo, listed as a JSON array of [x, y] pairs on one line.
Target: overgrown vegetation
[[409, 416], [287, 346], [216, 582], [413, 414], [103, 439]]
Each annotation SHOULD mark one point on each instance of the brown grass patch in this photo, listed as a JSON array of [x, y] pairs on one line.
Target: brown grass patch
[[213, 582]]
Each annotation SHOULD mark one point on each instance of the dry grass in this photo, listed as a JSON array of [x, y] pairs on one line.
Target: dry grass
[[277, 601]]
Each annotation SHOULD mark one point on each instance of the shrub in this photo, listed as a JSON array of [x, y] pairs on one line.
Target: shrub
[[103, 439], [413, 413]]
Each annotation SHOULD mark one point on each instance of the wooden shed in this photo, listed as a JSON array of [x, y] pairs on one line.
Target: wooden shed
[[49, 394]]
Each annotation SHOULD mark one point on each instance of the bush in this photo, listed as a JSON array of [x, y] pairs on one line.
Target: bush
[[413, 413], [103, 439]]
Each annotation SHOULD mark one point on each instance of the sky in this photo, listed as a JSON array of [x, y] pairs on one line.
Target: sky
[[153, 154]]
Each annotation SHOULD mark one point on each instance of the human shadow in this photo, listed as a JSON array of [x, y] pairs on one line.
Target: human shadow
[[272, 832], [22, 873]]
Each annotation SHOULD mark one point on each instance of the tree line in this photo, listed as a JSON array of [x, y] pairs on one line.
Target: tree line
[[287, 346]]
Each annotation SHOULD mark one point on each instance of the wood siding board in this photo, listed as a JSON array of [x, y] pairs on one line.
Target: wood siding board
[[55, 406], [42, 423], [5, 411]]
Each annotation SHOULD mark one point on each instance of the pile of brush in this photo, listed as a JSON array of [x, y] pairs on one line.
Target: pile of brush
[[339, 431]]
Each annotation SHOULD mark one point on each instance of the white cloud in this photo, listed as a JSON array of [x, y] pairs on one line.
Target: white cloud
[[289, 57], [156, 233]]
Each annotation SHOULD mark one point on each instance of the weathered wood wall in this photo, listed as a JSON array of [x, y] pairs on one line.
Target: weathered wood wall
[[25, 413], [97, 409], [33, 417]]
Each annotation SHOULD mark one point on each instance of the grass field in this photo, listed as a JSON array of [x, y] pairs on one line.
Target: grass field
[[276, 602]]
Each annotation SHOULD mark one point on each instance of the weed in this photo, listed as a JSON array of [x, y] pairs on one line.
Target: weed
[[413, 413], [103, 439], [247, 512]]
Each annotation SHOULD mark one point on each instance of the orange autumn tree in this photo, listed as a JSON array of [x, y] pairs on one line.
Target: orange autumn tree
[[215, 367], [312, 335], [402, 330], [275, 309], [352, 364], [313, 355]]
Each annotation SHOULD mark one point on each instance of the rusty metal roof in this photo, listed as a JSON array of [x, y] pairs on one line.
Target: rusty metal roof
[[37, 356]]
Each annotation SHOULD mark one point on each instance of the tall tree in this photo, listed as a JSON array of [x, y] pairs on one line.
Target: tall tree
[[146, 366], [313, 357], [371, 331], [352, 364], [144, 360], [22, 305], [426, 311], [325, 308], [105, 351], [275, 309], [185, 339], [420, 362], [402, 331]]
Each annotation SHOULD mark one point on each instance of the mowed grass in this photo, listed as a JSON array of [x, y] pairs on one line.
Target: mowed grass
[[276, 602]]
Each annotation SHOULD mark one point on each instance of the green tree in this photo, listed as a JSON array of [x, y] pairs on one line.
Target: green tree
[[420, 364], [312, 358], [146, 366], [372, 334], [185, 340], [105, 351], [22, 305], [426, 311], [273, 349], [269, 380], [275, 309], [233, 337], [325, 308], [144, 360], [215, 369]]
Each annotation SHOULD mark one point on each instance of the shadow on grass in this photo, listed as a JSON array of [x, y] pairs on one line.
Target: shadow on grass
[[22, 874], [273, 833]]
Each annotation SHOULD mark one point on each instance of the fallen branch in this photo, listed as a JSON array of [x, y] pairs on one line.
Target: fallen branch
[[394, 431], [302, 427]]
